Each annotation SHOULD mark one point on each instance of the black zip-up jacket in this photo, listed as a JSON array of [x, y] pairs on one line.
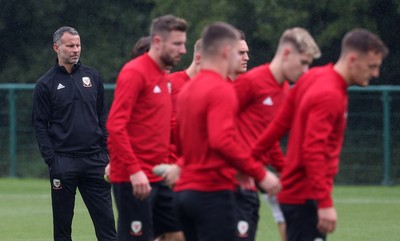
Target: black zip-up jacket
[[69, 112]]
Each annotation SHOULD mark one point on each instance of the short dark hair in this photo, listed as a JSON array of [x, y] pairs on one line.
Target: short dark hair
[[167, 23], [60, 32], [141, 46], [242, 36], [363, 41], [214, 34]]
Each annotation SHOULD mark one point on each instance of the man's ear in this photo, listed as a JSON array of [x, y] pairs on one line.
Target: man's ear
[[225, 51], [197, 58], [286, 52], [156, 41], [56, 47], [352, 58]]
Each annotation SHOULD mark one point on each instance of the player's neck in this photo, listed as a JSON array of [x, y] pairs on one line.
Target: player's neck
[[156, 58], [191, 70], [276, 69], [215, 65], [233, 76], [68, 67], [341, 67]]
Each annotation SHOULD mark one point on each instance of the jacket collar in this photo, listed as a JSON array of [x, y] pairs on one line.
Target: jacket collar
[[63, 69]]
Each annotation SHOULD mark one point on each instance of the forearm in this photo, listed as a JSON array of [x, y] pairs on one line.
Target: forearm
[[239, 157]]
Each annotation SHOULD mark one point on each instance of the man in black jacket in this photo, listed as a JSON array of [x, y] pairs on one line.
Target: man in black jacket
[[69, 115]]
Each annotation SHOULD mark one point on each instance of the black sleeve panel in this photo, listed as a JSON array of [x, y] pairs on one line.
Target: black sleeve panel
[[102, 112], [40, 117]]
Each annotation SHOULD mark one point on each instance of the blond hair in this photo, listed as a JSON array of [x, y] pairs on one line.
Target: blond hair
[[302, 40], [197, 46]]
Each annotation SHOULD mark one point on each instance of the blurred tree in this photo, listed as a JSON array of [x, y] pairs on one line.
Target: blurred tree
[[110, 28], [108, 31], [264, 20]]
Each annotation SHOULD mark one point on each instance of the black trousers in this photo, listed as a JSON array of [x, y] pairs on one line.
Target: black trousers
[[301, 222], [87, 174], [143, 220], [247, 206]]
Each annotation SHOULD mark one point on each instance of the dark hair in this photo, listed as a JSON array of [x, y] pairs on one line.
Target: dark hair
[[242, 36], [214, 34], [363, 41], [141, 46], [60, 32], [167, 23]]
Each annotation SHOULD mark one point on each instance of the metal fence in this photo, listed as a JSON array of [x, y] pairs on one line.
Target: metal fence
[[371, 150]]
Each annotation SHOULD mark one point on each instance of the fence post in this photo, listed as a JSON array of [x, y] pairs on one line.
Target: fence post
[[12, 134], [387, 152]]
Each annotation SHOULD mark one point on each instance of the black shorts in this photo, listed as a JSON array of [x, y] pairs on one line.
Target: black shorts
[[207, 216], [247, 206], [145, 219], [301, 221]]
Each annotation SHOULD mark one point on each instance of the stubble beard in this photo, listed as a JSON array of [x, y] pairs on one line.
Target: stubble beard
[[167, 60]]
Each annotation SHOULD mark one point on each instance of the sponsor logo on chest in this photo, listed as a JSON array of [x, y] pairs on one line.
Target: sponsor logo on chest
[[268, 101], [156, 89], [60, 86]]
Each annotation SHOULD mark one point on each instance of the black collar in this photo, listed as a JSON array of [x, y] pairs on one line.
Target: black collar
[[63, 69]]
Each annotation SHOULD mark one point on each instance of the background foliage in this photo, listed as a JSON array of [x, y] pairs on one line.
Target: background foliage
[[109, 29]]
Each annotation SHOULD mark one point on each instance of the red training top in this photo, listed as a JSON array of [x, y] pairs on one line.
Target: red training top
[[315, 111], [260, 96], [139, 121], [177, 80], [210, 145]]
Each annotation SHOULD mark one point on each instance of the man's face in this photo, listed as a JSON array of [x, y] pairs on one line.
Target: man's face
[[295, 64], [243, 51], [232, 56], [173, 47], [364, 67], [69, 50]]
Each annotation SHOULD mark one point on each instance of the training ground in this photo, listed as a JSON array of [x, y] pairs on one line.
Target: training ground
[[366, 213]]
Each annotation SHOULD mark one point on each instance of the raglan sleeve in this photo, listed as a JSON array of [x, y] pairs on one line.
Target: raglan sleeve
[[276, 158], [322, 115], [41, 113], [102, 111], [129, 86]]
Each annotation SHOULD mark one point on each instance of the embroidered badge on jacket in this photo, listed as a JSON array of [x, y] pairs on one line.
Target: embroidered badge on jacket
[[86, 82]]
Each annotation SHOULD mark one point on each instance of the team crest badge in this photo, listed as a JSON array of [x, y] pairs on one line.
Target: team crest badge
[[242, 228], [86, 82], [57, 184], [136, 228], [169, 85]]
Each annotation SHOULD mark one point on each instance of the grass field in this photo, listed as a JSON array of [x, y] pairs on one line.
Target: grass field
[[365, 214]]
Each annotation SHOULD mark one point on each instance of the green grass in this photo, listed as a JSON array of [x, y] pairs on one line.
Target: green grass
[[365, 213]]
